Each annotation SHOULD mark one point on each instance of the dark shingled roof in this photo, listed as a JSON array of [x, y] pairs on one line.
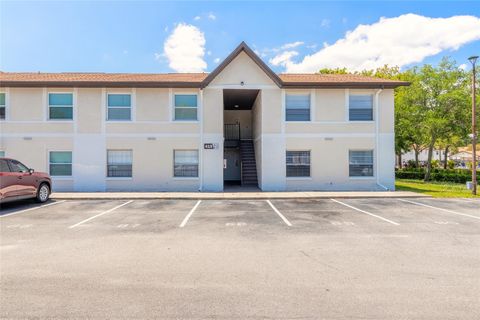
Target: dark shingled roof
[[189, 80]]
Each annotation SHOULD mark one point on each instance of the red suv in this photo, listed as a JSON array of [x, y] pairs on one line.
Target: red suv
[[19, 182]]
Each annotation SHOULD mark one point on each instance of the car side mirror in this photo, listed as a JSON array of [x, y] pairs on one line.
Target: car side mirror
[[31, 171]]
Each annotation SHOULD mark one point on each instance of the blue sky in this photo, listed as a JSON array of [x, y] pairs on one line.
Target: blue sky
[[127, 36]]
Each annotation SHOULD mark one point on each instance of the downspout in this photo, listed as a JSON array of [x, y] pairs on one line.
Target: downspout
[[377, 116]]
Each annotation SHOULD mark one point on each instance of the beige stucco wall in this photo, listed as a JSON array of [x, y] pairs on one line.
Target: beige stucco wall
[[89, 111], [330, 164], [330, 105], [152, 168], [152, 104], [27, 104], [242, 68]]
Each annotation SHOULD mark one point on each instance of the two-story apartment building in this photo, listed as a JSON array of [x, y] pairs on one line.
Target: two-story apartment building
[[242, 123]]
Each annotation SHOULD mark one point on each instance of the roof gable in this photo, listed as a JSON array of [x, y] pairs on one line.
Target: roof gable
[[249, 52]]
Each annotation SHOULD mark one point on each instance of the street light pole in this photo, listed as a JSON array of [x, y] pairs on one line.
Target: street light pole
[[473, 60]]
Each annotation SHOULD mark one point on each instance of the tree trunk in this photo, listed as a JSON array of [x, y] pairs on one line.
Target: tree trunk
[[399, 160], [416, 158], [429, 160], [446, 157]]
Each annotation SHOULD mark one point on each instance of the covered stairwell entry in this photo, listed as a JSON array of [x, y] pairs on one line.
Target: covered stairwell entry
[[240, 167]]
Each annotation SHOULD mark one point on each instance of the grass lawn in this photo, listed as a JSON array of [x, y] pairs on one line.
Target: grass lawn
[[435, 189]]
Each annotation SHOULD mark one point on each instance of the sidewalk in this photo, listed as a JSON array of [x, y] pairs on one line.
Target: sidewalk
[[234, 195]]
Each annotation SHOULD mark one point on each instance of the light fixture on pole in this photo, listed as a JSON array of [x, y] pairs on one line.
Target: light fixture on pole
[[473, 60]]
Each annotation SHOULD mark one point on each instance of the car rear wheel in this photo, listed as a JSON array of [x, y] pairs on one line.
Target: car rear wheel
[[43, 193]]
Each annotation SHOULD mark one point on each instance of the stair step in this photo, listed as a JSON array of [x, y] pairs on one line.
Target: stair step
[[249, 165]]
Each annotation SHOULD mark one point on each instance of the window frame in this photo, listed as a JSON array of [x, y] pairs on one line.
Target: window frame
[[49, 118], [174, 107], [373, 164], [311, 102], [119, 177], [198, 165], [5, 105], [309, 165], [107, 107], [360, 93], [50, 163]]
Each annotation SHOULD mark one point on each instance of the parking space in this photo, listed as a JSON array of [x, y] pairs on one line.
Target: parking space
[[137, 215], [234, 215], [314, 215], [224, 258]]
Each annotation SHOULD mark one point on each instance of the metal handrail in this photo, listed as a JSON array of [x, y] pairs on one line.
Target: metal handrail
[[232, 132]]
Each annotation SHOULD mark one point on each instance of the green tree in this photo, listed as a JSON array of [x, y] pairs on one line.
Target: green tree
[[440, 96]]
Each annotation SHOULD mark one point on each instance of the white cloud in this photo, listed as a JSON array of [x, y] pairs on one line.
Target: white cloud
[[185, 49], [217, 60], [398, 41], [211, 16], [196, 18], [209, 53], [463, 66], [283, 58], [325, 23], [291, 45]]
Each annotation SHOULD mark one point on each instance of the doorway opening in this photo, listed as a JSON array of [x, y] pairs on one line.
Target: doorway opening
[[240, 167]]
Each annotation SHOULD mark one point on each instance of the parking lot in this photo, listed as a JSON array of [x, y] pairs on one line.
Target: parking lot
[[223, 259]]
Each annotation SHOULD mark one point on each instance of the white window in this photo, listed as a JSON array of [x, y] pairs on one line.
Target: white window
[[185, 107], [361, 163], [298, 163], [119, 107], [2, 154], [60, 106], [60, 163], [297, 107], [360, 107], [3, 105], [119, 163], [185, 163]]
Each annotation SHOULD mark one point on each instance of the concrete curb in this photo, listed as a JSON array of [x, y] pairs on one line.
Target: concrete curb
[[230, 196]]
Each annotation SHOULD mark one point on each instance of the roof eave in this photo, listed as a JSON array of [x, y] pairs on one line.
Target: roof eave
[[101, 84], [344, 85]]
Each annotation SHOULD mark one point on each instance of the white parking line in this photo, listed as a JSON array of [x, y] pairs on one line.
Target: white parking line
[[279, 214], [100, 214], [441, 209], [31, 209], [366, 212], [185, 220]]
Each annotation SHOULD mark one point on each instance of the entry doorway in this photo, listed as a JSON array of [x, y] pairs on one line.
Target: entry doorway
[[231, 167], [239, 155]]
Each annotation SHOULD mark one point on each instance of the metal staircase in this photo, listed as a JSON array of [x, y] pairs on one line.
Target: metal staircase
[[249, 165]]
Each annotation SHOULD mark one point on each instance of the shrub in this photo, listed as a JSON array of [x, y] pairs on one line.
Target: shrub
[[435, 164], [441, 175], [411, 164], [450, 164]]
